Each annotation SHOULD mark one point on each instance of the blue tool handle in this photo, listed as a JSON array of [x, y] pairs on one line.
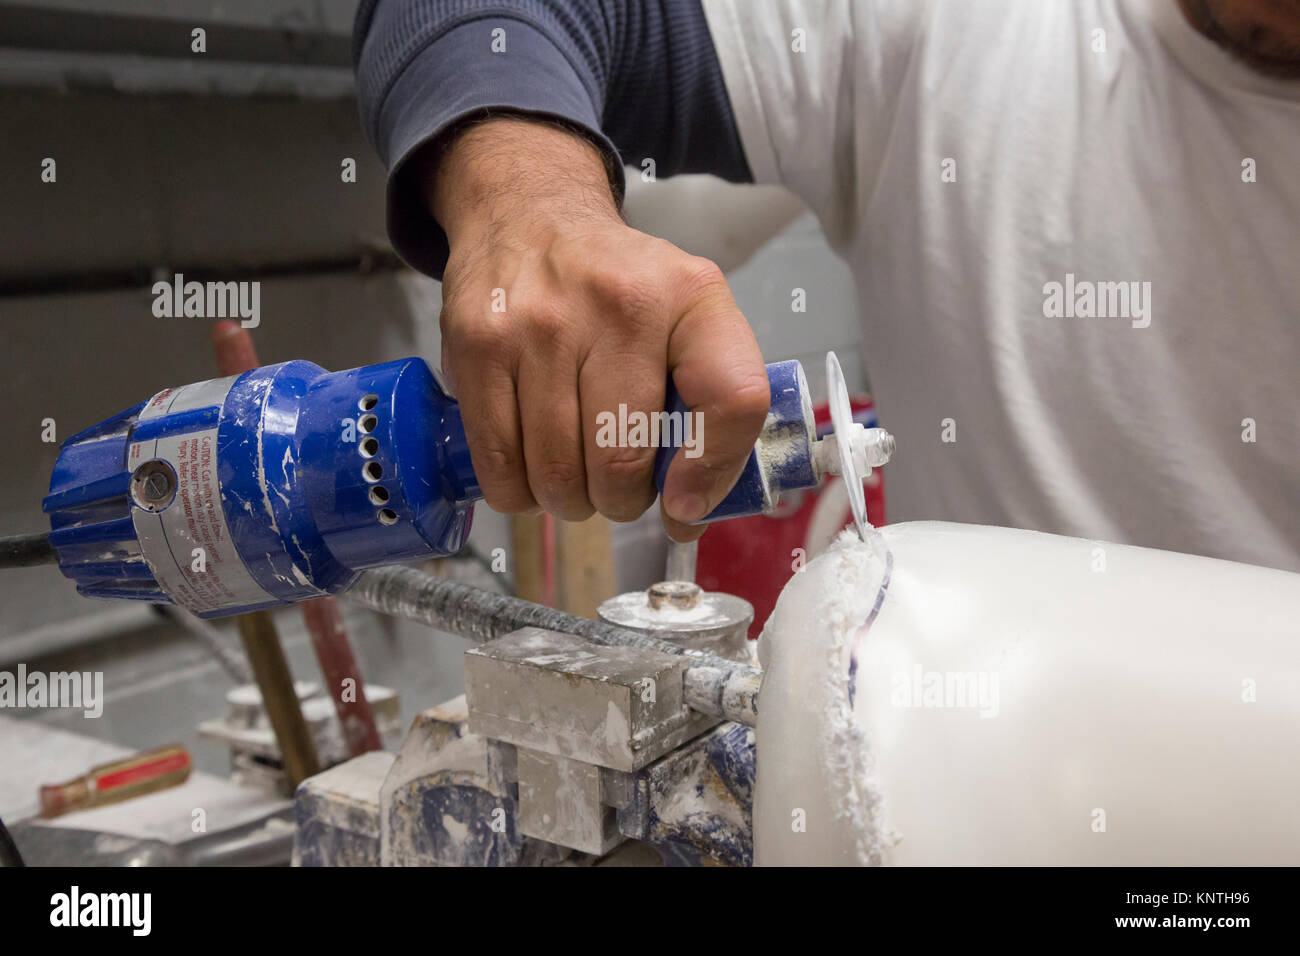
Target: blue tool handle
[[759, 486]]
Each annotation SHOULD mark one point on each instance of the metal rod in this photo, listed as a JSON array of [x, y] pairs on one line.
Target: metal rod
[[713, 685], [681, 560], [27, 550], [279, 696]]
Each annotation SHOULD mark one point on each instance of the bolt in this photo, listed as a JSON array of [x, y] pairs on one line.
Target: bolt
[[679, 594], [156, 486], [880, 447], [152, 484]]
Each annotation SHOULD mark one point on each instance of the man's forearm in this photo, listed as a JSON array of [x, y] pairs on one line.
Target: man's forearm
[[637, 76]]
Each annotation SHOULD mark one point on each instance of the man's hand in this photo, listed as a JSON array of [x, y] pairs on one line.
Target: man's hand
[[554, 311]]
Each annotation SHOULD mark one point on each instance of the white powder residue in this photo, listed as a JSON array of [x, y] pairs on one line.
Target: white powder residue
[[458, 831], [632, 608], [261, 463], [847, 598]]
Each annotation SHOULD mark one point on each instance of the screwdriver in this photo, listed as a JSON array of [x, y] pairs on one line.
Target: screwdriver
[[145, 772]]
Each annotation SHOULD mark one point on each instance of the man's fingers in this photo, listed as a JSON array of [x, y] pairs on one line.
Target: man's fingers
[[681, 533], [620, 477], [552, 433], [551, 384], [719, 373], [490, 412]]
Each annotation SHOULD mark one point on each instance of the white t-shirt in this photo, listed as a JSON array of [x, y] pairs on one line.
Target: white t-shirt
[[1078, 315]]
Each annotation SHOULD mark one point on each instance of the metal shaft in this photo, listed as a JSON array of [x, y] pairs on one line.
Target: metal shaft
[[681, 560], [713, 685], [26, 550]]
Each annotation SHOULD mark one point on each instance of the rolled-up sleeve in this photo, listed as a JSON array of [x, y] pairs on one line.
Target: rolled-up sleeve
[[636, 75]]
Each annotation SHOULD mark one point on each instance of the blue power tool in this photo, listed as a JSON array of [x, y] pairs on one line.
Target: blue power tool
[[286, 482]]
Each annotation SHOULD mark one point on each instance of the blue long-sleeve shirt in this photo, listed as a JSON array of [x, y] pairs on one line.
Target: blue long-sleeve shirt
[[639, 77]]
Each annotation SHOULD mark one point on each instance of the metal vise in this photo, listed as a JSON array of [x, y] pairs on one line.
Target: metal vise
[[561, 751]]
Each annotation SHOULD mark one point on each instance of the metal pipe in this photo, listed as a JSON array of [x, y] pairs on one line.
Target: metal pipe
[[713, 685], [27, 550], [279, 696]]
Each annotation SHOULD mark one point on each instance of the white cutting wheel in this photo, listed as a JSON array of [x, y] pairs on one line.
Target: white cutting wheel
[[842, 426]]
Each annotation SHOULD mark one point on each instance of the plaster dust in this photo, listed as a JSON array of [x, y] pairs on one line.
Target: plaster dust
[[632, 607]]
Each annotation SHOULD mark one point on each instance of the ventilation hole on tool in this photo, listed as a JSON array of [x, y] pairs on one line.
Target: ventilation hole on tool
[[369, 402], [387, 516], [373, 471], [367, 424], [379, 495], [369, 447]]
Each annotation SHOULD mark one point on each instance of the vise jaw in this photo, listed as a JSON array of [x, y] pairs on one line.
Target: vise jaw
[[583, 719]]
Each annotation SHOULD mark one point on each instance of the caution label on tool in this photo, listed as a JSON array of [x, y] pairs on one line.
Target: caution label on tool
[[188, 544]]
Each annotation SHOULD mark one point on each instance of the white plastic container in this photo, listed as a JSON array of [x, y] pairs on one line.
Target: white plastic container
[[1022, 698]]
